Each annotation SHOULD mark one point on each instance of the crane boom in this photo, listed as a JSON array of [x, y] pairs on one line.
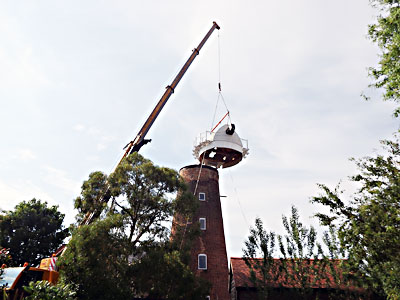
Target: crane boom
[[139, 141]]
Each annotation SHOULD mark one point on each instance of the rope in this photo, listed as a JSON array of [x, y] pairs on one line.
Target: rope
[[223, 100], [237, 198], [198, 177], [194, 194], [215, 111], [220, 96], [219, 64]]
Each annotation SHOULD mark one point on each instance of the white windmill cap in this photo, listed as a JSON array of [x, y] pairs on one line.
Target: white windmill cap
[[223, 148]]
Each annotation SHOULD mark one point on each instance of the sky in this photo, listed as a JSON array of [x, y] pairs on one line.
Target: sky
[[79, 78]]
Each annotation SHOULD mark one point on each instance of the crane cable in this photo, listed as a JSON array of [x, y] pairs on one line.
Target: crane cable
[[238, 200], [220, 96], [194, 194]]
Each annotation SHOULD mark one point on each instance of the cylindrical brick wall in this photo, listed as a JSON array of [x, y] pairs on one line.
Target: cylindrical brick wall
[[212, 240]]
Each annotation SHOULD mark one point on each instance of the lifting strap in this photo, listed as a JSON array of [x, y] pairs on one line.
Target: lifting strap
[[227, 114]]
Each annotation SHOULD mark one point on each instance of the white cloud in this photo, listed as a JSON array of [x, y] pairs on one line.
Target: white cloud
[[24, 154], [93, 157], [93, 131], [12, 194], [79, 127], [21, 67], [60, 179], [101, 146], [102, 140]]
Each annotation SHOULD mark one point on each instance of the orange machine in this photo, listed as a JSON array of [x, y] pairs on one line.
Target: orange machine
[[13, 279]]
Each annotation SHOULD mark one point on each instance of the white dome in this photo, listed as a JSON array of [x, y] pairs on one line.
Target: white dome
[[223, 148], [223, 140]]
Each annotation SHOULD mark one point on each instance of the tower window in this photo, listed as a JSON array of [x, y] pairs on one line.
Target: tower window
[[203, 224], [202, 262], [202, 196]]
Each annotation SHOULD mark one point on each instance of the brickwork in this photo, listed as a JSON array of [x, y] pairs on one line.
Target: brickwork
[[212, 240]]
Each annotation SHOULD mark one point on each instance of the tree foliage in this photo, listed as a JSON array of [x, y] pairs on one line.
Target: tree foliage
[[264, 270], [164, 274], [97, 253], [298, 251], [5, 257], [386, 34], [369, 223], [92, 191], [303, 267], [128, 248], [32, 231], [44, 290]]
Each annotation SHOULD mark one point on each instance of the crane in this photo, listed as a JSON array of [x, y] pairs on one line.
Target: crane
[[140, 140]]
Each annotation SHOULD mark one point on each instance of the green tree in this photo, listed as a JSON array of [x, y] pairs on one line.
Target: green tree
[[44, 290], [258, 255], [368, 223], [297, 266], [32, 231], [92, 192], [128, 249], [170, 279], [301, 251], [98, 253], [386, 34]]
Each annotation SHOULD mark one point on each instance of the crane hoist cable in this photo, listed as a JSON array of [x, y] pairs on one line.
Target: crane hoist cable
[[220, 96]]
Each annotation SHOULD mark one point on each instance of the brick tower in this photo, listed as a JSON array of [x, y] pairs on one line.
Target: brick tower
[[208, 253], [222, 148]]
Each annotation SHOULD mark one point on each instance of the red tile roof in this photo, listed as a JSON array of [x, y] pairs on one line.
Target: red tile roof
[[278, 278]]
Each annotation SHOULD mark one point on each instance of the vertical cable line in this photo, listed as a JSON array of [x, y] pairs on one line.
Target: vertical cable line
[[219, 63], [194, 194], [238, 200], [215, 111], [198, 177], [220, 96]]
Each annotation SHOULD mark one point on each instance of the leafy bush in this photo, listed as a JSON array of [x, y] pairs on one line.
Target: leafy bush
[[44, 290]]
